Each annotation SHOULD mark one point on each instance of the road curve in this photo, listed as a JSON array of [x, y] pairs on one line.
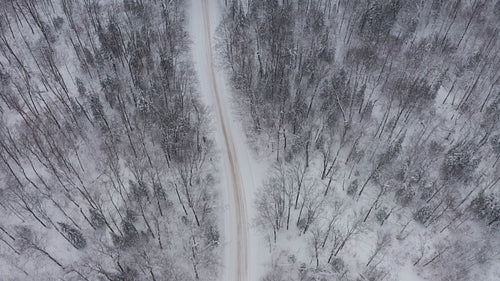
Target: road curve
[[239, 266]]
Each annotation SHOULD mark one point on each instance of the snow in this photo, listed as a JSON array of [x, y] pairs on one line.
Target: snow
[[408, 274], [249, 171]]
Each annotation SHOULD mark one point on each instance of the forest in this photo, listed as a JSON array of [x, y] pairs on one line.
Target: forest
[[106, 152], [383, 122]]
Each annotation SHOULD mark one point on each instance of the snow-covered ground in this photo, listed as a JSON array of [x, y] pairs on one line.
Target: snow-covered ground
[[245, 253]]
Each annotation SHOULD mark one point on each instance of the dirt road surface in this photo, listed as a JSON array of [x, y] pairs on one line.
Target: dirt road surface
[[236, 224]]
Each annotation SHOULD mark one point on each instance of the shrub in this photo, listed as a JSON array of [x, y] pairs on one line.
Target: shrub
[[213, 235], [486, 207], [423, 214], [353, 187], [381, 214], [96, 218], [459, 163], [337, 264], [405, 195], [73, 235], [427, 191]]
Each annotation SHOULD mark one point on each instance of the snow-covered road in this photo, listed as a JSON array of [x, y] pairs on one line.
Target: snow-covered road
[[237, 177]]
